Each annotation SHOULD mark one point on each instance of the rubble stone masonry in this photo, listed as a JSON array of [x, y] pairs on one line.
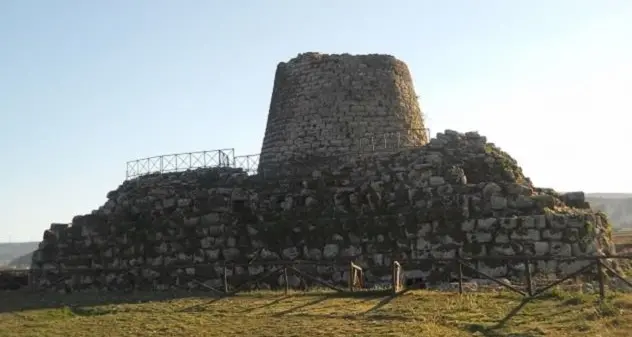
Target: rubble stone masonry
[[457, 193], [327, 105]]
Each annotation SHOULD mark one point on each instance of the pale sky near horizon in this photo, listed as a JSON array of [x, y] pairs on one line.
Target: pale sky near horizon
[[87, 85]]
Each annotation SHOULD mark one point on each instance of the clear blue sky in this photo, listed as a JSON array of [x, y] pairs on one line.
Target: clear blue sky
[[87, 85]]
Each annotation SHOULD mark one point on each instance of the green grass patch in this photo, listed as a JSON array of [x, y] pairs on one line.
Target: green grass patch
[[314, 313]]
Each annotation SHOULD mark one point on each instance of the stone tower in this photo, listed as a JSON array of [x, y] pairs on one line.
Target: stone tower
[[329, 105]]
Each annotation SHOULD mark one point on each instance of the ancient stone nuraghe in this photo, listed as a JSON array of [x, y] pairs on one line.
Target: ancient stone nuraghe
[[454, 193], [330, 105]]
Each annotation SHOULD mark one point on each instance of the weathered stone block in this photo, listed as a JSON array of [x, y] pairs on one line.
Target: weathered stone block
[[479, 237], [468, 225], [541, 248], [561, 249], [525, 235], [486, 224], [508, 223]]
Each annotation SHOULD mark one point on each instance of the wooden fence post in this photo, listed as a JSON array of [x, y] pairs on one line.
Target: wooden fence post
[[460, 270], [527, 266], [396, 277], [600, 276], [351, 274], [225, 279], [31, 280]]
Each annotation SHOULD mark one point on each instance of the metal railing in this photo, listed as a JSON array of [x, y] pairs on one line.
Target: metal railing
[[249, 163], [179, 162], [391, 140]]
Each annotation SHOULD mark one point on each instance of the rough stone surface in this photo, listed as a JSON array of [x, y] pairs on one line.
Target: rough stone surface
[[325, 105], [458, 193], [332, 199]]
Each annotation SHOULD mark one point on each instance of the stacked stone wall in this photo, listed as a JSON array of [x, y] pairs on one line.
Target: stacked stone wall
[[327, 105], [457, 194]]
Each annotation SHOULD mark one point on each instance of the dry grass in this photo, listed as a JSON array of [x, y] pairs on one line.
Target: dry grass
[[622, 237], [415, 313]]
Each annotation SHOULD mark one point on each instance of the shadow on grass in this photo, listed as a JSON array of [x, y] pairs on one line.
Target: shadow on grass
[[16, 301], [493, 331], [503, 322], [399, 318], [367, 294], [386, 296], [277, 301], [385, 301], [314, 302]]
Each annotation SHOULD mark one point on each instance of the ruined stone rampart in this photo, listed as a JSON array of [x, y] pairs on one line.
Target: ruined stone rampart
[[325, 105], [458, 193]]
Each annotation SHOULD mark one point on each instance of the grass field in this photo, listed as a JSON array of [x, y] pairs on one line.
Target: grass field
[[622, 237], [415, 313]]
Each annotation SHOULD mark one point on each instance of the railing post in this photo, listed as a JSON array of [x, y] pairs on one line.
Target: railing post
[[527, 265]]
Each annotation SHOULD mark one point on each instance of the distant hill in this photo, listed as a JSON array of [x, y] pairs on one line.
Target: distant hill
[[21, 262], [618, 207], [11, 251], [610, 195]]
